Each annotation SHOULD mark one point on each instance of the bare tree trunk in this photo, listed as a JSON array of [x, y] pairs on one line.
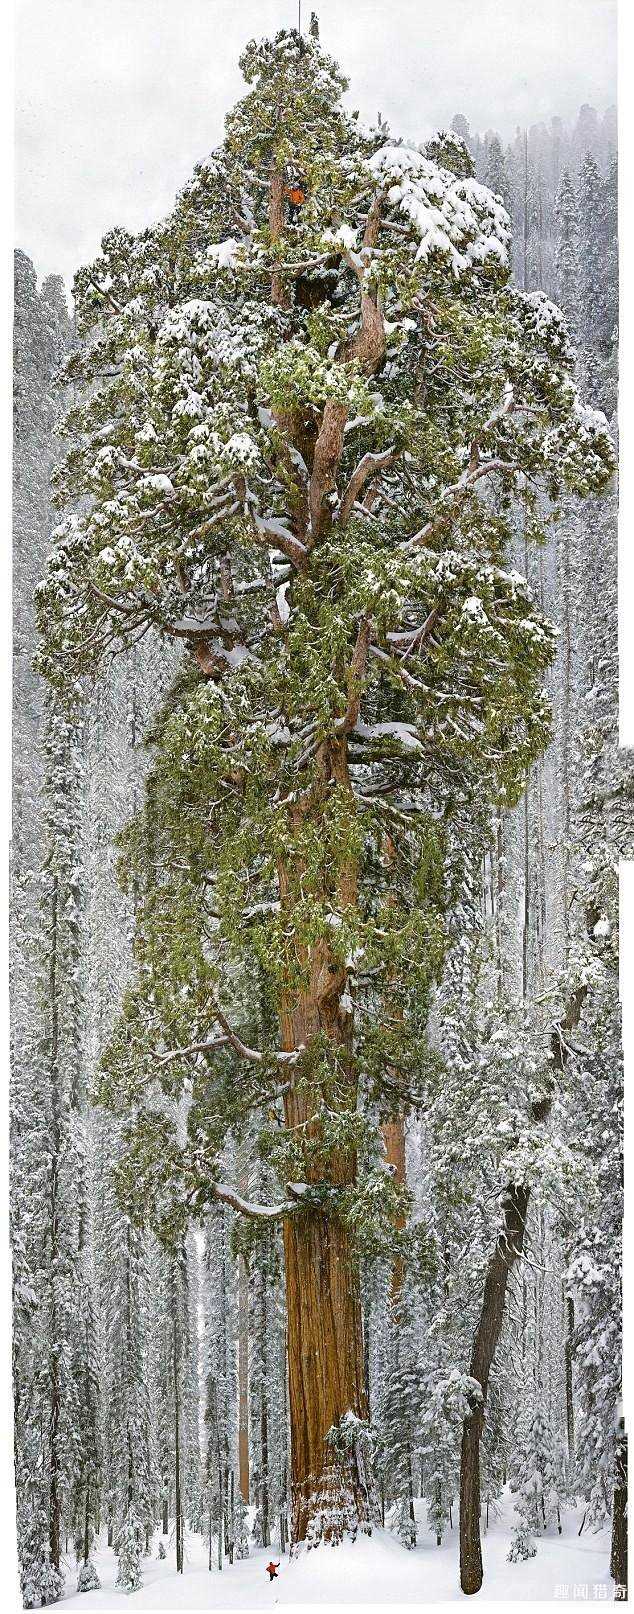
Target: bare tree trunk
[[231, 1518], [55, 1504], [394, 1141], [264, 1442], [87, 1523], [177, 1466], [570, 1406], [618, 1556], [221, 1510], [243, 1380], [507, 1250]]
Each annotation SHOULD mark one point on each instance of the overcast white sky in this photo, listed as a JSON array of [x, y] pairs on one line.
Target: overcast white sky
[[116, 99]]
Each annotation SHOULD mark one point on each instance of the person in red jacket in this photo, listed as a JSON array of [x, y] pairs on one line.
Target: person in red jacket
[[296, 198], [272, 1570]]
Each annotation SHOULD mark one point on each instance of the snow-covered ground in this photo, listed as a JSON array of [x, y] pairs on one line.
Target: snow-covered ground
[[374, 1570]]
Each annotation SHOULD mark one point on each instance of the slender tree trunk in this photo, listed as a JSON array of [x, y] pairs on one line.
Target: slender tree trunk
[[87, 1523], [394, 1141], [618, 1556], [366, 1353], [177, 1463], [507, 1250], [221, 1515], [230, 1517], [570, 1406], [243, 1380], [264, 1442], [564, 556], [55, 1505]]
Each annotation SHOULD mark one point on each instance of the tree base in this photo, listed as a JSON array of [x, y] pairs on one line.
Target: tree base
[[333, 1508]]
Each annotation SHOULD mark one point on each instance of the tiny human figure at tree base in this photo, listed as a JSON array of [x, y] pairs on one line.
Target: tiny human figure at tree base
[[271, 1570], [296, 196]]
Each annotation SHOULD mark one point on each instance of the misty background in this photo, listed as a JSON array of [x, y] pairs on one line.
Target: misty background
[[115, 104]]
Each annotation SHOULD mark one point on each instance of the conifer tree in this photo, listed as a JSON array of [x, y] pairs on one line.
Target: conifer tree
[[568, 253], [537, 1481], [496, 174], [285, 470]]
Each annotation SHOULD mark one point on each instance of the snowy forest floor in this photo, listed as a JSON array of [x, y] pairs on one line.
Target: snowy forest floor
[[371, 1570]]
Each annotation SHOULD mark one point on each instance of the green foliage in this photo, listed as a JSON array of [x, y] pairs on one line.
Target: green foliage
[[298, 451]]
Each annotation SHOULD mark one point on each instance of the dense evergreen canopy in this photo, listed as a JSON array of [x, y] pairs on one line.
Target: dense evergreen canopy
[[298, 448]]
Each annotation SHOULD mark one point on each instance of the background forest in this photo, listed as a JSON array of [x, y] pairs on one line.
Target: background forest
[[150, 1378]]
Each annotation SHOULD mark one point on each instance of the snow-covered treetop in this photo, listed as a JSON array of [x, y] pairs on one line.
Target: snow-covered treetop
[[296, 447], [452, 214]]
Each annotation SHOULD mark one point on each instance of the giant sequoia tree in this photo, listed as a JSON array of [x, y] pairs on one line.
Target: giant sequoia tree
[[297, 447]]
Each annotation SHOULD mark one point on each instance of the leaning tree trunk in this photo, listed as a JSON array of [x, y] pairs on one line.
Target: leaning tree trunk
[[618, 1556], [508, 1249]]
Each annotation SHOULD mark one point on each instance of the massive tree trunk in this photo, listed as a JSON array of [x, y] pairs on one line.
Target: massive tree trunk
[[394, 1135], [324, 1328], [329, 1490], [325, 1375]]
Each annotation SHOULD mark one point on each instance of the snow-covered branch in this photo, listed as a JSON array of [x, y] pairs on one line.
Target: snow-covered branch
[[456, 493], [246, 1207], [230, 1039], [368, 466]]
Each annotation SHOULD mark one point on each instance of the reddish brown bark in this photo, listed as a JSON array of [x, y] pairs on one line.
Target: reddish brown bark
[[394, 1134], [394, 1142], [324, 1326], [327, 455], [325, 1364], [324, 1329], [279, 290]]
